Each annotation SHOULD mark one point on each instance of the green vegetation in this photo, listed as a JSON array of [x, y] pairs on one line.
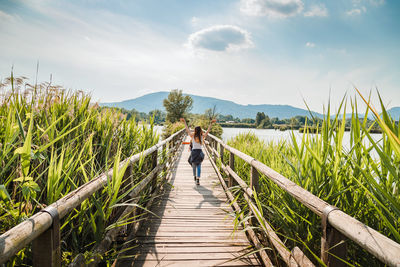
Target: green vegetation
[[177, 105], [361, 185], [194, 120], [216, 129], [205, 119], [171, 128], [157, 116], [237, 125], [51, 142]]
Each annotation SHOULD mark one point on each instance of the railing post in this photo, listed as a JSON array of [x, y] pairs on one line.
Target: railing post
[[170, 152], [174, 143], [46, 248], [333, 245], [254, 179], [254, 185], [165, 159], [232, 166], [154, 158], [214, 146], [128, 179], [221, 153]]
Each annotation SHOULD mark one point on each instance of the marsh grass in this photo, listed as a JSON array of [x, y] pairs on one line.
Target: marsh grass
[[363, 186], [51, 142]]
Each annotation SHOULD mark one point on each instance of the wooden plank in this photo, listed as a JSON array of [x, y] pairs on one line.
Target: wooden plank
[[211, 208], [198, 227], [193, 240], [195, 207], [262, 253], [185, 263], [222, 256], [191, 245], [176, 232], [300, 258], [195, 225], [185, 221], [199, 213], [218, 234], [208, 210], [197, 249], [214, 221]]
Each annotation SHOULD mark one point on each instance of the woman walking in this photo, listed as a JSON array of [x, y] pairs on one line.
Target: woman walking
[[197, 155]]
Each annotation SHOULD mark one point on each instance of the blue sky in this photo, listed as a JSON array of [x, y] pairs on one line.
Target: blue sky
[[247, 51]]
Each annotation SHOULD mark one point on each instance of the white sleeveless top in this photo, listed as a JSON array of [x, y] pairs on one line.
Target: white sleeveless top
[[195, 144]]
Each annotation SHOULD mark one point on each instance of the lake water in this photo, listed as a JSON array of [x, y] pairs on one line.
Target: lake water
[[276, 135], [273, 135], [158, 129], [264, 134]]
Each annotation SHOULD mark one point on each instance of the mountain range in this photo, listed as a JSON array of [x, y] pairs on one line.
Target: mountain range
[[154, 101]]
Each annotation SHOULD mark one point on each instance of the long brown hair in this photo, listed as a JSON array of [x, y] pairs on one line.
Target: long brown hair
[[198, 133]]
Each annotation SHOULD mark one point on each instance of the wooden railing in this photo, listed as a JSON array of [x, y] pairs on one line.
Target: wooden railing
[[336, 225], [43, 228]]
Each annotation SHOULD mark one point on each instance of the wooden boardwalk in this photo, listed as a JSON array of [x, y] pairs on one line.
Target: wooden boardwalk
[[194, 226]]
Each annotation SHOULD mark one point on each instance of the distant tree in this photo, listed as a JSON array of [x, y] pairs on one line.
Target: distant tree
[[301, 119], [211, 113], [157, 115], [274, 120], [133, 113], [259, 118], [294, 122], [265, 123], [225, 117], [177, 105], [248, 120], [229, 117]]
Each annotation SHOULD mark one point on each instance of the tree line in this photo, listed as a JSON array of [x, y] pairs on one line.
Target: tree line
[[178, 105]]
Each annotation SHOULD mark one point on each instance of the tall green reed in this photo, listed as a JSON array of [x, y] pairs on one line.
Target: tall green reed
[[51, 142], [362, 179]]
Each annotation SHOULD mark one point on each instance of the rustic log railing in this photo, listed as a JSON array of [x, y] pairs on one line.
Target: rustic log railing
[[336, 225], [43, 228]]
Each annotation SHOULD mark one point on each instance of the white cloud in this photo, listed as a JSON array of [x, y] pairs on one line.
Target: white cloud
[[119, 58], [273, 8], [317, 11], [309, 44], [371, 2], [194, 21], [75, 49], [359, 6], [220, 38], [7, 17], [376, 2], [356, 11]]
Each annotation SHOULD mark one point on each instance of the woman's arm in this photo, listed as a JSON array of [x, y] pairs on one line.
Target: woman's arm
[[187, 128], [209, 128]]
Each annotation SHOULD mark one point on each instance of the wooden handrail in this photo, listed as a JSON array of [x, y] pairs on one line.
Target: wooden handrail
[[272, 236], [24, 233], [382, 247]]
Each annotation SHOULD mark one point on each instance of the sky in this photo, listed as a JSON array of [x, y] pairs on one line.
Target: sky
[[246, 51]]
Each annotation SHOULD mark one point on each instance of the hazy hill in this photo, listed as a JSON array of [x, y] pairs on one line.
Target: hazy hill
[[153, 101], [395, 113]]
